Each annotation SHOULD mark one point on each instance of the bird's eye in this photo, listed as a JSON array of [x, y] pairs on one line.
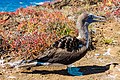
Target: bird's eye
[[90, 16]]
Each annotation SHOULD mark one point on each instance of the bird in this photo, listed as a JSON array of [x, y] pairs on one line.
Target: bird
[[68, 49]]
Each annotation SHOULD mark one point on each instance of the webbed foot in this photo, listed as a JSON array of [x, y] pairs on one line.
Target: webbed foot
[[74, 71]]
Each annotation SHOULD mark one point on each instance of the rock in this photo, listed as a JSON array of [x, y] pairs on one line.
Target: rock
[[114, 71], [1, 39], [112, 66], [107, 52], [6, 17], [11, 77]]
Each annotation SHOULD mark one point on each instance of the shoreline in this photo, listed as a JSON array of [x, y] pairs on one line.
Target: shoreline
[[20, 5]]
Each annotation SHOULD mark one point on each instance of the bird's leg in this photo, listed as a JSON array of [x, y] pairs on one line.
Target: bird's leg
[[74, 71]]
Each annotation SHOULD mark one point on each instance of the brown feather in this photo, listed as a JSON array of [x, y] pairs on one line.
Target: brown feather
[[64, 51]]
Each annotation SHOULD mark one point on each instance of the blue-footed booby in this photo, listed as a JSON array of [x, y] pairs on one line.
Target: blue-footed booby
[[68, 49]]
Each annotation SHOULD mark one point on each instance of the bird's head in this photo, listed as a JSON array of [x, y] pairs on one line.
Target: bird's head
[[82, 24], [88, 18]]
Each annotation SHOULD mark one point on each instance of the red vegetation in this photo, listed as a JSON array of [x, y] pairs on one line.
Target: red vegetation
[[35, 30]]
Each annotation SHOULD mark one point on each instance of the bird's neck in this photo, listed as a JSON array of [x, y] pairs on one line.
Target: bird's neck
[[84, 33]]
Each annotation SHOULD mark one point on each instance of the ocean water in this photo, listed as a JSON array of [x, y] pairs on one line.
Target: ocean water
[[13, 5]]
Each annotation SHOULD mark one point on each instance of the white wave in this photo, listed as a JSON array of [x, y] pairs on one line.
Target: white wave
[[38, 3], [20, 2]]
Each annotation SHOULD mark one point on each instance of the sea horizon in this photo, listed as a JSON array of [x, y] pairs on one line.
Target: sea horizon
[[13, 5]]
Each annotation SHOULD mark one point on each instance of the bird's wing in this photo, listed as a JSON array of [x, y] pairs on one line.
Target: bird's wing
[[61, 49]]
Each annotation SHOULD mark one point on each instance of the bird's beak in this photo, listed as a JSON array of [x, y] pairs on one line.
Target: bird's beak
[[98, 19]]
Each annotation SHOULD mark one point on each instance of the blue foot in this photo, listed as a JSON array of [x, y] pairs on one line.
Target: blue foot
[[74, 71]]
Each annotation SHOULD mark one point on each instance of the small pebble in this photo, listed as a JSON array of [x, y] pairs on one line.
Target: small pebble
[[11, 77], [97, 54], [108, 52]]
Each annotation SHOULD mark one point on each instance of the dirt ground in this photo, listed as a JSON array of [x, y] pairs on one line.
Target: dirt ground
[[101, 63]]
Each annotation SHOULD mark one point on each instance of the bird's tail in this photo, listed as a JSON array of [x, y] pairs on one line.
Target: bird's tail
[[23, 63], [31, 63]]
